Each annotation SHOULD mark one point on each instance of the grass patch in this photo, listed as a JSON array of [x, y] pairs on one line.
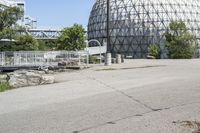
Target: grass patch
[[4, 87]]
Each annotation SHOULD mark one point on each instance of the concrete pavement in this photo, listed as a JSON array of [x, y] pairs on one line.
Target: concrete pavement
[[140, 96]]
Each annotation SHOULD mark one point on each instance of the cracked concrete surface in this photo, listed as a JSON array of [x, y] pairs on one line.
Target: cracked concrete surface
[[126, 98]]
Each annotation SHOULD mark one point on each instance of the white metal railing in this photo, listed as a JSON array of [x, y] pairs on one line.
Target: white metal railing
[[41, 58], [2, 59]]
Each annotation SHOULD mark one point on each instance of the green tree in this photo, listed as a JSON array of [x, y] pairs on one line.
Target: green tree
[[8, 30], [8, 33], [72, 38], [9, 17], [154, 51], [6, 46], [179, 41], [25, 43], [50, 44], [8, 25], [8, 20], [42, 45]]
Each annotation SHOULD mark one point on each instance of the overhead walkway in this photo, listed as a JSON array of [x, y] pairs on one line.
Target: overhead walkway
[[42, 34]]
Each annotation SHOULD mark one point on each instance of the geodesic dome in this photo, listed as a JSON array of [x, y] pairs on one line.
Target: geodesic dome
[[135, 24]]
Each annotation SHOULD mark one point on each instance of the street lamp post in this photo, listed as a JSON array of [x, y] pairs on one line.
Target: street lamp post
[[108, 54], [108, 26]]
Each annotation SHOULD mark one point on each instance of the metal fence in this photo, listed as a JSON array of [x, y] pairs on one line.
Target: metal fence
[[43, 59], [2, 59]]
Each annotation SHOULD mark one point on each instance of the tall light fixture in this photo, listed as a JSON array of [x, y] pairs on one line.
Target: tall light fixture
[[108, 54], [108, 27]]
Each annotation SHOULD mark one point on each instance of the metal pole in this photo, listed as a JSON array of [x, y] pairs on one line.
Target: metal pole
[[108, 27], [108, 54]]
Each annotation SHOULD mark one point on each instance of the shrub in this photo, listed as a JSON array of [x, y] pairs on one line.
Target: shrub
[[4, 87], [154, 51], [179, 41], [94, 60]]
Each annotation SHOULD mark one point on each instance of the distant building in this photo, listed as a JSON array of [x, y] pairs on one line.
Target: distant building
[[25, 21]]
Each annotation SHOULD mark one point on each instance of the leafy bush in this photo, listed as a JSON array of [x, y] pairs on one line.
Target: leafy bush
[[42, 46], [47, 45], [4, 87], [180, 42], [154, 51], [94, 60]]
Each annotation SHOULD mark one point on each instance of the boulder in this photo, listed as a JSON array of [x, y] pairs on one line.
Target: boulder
[[62, 63], [39, 72], [29, 78], [46, 79], [3, 81], [33, 78], [3, 78], [17, 80], [150, 57]]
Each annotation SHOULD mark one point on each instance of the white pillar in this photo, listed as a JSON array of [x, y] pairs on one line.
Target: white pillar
[[108, 59], [118, 59]]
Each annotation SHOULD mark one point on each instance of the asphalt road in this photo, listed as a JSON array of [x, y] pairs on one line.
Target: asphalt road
[[140, 96]]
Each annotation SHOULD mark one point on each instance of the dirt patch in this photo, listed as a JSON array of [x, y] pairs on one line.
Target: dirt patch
[[128, 68], [193, 125]]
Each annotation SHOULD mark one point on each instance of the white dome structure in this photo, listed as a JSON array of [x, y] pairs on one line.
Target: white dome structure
[[136, 24]]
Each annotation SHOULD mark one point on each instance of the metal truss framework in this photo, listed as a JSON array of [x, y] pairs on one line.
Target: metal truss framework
[[42, 34], [135, 24]]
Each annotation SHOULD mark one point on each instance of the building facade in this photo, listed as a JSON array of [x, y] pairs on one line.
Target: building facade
[[136, 24], [26, 20]]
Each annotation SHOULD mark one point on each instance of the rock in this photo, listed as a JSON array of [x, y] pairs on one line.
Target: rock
[[49, 72], [74, 63], [3, 81], [33, 78], [17, 80], [25, 78], [150, 57], [47, 79], [62, 63], [40, 72], [51, 68], [3, 76]]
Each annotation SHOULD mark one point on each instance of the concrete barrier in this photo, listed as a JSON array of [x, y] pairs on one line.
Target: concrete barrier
[[118, 59], [108, 59]]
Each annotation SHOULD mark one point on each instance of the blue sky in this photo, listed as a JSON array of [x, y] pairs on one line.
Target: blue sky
[[59, 13]]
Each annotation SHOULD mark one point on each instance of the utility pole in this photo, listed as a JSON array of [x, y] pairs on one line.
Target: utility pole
[[108, 27], [108, 54]]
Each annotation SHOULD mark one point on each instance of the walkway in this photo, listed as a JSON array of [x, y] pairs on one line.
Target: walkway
[[140, 96]]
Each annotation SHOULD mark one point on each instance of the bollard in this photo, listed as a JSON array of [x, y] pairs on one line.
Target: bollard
[[122, 58], [113, 60], [118, 59], [108, 59]]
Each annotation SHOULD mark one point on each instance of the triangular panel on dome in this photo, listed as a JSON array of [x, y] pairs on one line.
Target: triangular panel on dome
[[135, 24]]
